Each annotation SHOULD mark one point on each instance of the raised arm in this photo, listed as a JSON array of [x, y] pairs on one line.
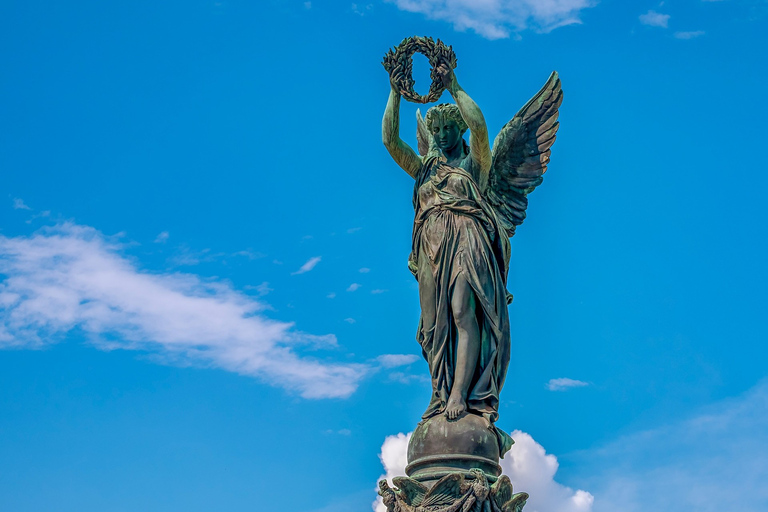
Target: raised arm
[[400, 152], [480, 148]]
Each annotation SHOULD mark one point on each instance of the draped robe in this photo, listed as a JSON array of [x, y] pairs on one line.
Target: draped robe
[[455, 232]]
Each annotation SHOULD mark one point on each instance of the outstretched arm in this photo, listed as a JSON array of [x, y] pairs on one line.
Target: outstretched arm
[[480, 148], [400, 152]]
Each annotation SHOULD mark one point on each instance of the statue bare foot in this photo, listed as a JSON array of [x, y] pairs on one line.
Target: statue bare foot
[[455, 408]]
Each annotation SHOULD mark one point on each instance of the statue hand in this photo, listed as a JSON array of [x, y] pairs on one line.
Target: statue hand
[[393, 84], [447, 76]]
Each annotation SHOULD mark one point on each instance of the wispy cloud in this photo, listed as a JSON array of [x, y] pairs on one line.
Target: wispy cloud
[[354, 287], [162, 237], [309, 265], [394, 360], [18, 204], [563, 384], [361, 10], [72, 277], [714, 460], [342, 432], [528, 465], [497, 19], [364, 270], [689, 35], [261, 289], [654, 19]]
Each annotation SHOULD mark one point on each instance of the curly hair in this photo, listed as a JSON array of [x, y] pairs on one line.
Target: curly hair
[[447, 111]]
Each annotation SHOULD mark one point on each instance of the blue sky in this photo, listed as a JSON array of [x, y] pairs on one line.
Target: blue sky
[[205, 303]]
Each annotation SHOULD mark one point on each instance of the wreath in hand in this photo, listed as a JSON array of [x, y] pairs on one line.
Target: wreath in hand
[[399, 64]]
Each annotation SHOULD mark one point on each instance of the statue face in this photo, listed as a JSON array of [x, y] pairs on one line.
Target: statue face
[[446, 133]]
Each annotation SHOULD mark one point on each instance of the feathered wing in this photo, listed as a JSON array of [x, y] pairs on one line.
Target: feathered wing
[[411, 491], [423, 137], [521, 154]]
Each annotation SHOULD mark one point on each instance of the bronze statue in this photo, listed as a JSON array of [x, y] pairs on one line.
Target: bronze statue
[[468, 200]]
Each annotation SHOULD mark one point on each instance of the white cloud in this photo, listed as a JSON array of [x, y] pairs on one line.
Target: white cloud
[[689, 35], [350, 320], [309, 265], [532, 470], [715, 460], [654, 19], [18, 204], [353, 287], [496, 19], [394, 458], [378, 291], [364, 270], [71, 277], [564, 383], [162, 238], [331, 295], [394, 360], [527, 465]]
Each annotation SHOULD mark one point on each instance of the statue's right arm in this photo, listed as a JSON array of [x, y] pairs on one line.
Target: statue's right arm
[[400, 152]]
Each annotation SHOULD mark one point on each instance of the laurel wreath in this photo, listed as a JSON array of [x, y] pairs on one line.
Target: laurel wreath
[[399, 64]]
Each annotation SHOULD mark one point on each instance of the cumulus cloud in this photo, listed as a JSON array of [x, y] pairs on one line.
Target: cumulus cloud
[[394, 458], [531, 469], [689, 35], [655, 19], [564, 383], [714, 460], [309, 265], [496, 19], [72, 277], [528, 466]]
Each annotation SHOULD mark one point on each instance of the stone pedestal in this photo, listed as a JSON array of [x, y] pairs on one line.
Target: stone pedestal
[[440, 446], [453, 466]]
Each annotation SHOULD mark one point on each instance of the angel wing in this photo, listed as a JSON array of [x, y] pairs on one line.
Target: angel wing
[[521, 154], [423, 137]]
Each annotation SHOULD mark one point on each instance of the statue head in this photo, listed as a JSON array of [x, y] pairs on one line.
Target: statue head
[[446, 125]]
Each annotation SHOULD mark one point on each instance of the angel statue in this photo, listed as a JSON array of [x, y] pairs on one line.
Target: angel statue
[[468, 200]]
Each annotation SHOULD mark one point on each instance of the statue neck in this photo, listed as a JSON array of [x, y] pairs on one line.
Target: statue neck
[[456, 153]]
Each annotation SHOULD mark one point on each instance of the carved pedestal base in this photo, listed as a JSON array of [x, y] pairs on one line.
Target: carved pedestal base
[[455, 492], [453, 466]]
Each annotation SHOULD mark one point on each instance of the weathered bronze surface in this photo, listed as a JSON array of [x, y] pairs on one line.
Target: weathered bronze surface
[[468, 200]]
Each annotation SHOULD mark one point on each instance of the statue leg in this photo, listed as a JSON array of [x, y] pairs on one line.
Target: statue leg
[[428, 303], [467, 345]]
